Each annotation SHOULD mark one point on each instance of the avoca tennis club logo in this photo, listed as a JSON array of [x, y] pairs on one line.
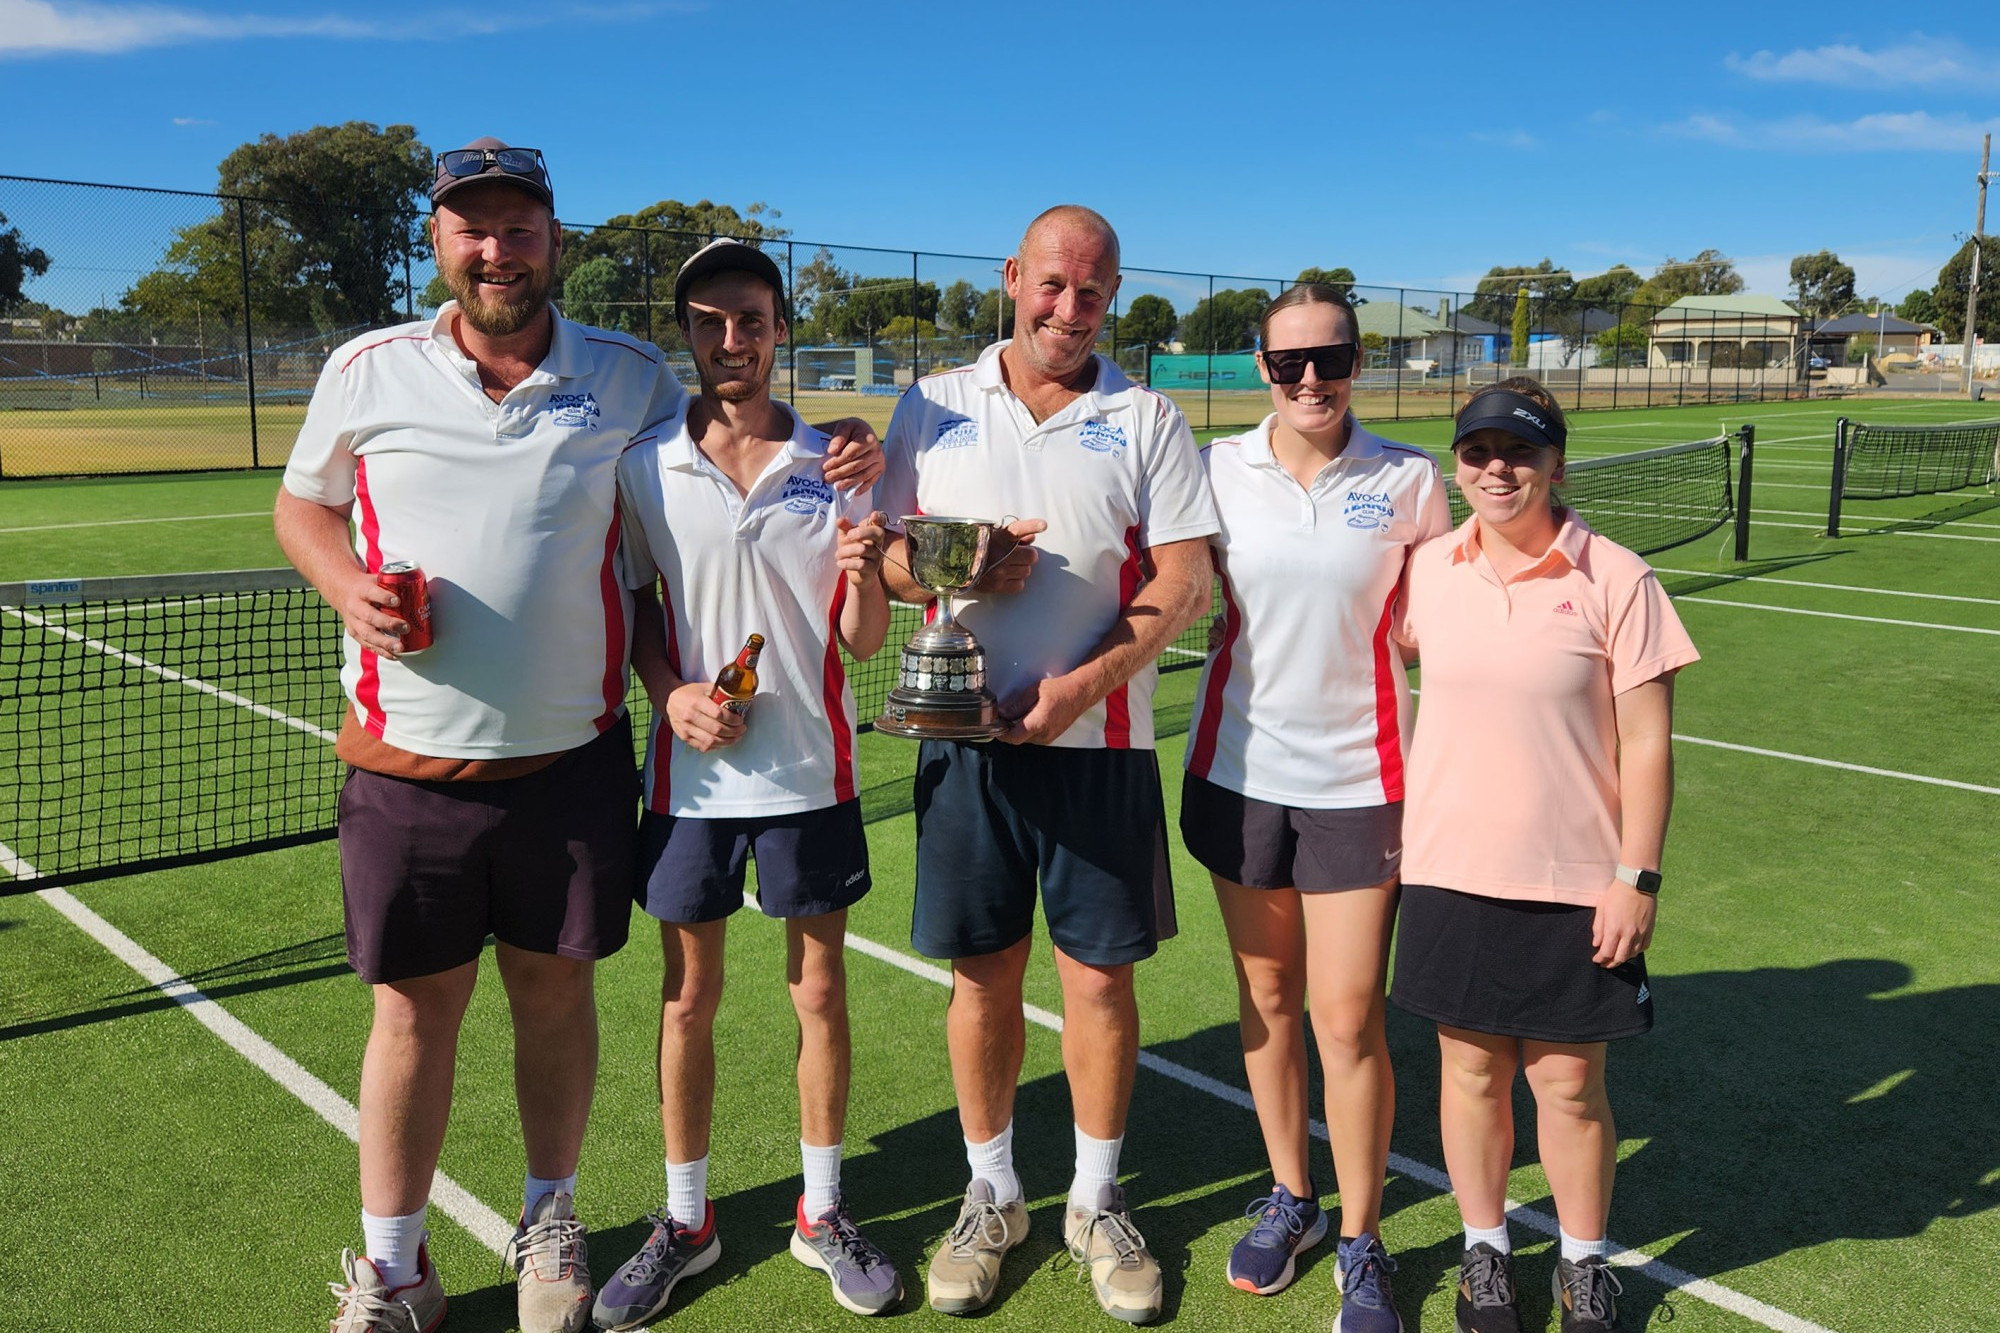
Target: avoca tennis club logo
[[805, 495], [956, 433], [1101, 437], [1367, 512], [574, 409]]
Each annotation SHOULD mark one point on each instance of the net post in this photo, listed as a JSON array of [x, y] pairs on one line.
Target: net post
[[1748, 435], [249, 348], [1839, 477]]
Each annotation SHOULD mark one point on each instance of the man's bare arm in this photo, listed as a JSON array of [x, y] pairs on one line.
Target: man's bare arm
[[316, 539]]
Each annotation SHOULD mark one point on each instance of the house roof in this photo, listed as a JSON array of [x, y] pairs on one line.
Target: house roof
[[1396, 321], [1472, 324], [1738, 303], [1858, 323]]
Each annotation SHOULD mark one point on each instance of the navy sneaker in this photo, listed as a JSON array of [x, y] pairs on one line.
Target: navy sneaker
[[1262, 1262], [1366, 1305], [864, 1280], [1585, 1292], [639, 1291], [1486, 1292]]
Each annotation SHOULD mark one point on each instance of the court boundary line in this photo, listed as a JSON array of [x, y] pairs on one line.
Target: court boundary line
[[1833, 587], [1837, 615], [127, 522]]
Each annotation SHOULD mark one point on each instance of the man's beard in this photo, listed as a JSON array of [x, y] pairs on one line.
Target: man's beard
[[499, 318], [735, 390]]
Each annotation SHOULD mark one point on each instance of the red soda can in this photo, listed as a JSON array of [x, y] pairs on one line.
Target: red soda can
[[413, 596]]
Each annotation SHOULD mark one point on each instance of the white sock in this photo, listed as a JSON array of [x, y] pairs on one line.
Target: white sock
[[822, 1178], [392, 1244], [687, 1193], [1497, 1237], [1576, 1250], [993, 1162], [538, 1188], [1096, 1167]]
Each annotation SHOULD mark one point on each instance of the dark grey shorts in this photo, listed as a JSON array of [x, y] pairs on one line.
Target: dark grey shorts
[[1514, 969], [808, 864], [1264, 846], [543, 862]]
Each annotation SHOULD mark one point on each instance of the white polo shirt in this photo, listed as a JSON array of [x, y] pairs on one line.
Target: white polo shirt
[[1306, 703], [510, 509], [731, 566], [1113, 473]]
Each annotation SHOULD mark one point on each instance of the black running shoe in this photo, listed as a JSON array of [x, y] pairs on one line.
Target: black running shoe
[[1486, 1292], [1585, 1292]]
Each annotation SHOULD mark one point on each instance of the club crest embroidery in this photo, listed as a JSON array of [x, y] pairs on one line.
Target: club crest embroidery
[[1101, 437], [806, 495], [1366, 512], [574, 409], [956, 433]]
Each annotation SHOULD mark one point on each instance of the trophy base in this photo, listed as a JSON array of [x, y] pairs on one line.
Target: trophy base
[[956, 716]]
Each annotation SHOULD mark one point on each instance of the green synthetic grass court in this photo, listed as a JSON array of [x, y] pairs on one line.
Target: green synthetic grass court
[[1809, 1139]]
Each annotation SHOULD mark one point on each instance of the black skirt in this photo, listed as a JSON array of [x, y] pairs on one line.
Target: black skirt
[[1512, 968]]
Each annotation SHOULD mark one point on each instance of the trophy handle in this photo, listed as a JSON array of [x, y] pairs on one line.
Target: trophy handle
[[1000, 544]]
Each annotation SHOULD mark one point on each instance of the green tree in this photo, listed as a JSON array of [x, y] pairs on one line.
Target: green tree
[[1147, 322], [1955, 280], [1517, 354], [1622, 345], [837, 306], [1919, 307], [1494, 297], [18, 262], [1341, 279], [648, 247], [1607, 290], [958, 309], [1225, 322], [590, 296], [1709, 273], [1822, 286]]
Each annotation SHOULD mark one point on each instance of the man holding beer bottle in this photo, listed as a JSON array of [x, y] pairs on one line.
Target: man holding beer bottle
[[726, 509], [492, 783]]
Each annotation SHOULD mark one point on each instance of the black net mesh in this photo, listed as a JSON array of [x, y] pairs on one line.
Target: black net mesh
[[1887, 461], [1650, 500]]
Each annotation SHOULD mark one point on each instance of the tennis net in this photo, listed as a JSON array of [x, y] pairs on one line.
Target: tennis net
[[1883, 462], [1656, 498], [154, 722]]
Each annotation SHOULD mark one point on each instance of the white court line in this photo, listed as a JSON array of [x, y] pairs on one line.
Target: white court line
[[1882, 519], [1840, 764], [168, 673], [1848, 530], [1837, 615], [126, 522], [452, 1198], [1835, 587]]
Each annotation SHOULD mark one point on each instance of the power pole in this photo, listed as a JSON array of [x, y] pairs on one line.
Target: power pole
[[1978, 251]]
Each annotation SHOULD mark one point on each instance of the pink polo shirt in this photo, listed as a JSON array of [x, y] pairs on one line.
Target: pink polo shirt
[[1513, 778]]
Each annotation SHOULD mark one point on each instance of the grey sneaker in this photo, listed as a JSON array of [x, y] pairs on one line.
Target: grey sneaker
[[1110, 1249], [966, 1267], [552, 1268], [640, 1289], [1586, 1295], [368, 1305], [864, 1280]]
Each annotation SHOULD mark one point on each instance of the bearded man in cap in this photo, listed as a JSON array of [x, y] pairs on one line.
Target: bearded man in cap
[[492, 786]]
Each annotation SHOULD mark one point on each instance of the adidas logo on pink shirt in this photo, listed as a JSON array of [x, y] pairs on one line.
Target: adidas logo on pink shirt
[[1565, 608]]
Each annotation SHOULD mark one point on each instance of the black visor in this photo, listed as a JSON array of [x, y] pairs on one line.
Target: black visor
[[1515, 413]]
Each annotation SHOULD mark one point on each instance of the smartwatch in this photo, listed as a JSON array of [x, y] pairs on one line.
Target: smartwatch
[[1645, 881]]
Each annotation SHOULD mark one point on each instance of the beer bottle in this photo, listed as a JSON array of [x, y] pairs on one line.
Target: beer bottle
[[738, 681]]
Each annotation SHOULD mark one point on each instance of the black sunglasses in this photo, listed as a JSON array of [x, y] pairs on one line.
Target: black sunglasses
[[462, 162], [1334, 361]]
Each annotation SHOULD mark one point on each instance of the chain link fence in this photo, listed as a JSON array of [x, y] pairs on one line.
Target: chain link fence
[[177, 331]]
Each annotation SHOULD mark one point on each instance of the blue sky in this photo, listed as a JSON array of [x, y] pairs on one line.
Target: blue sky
[[1416, 144]]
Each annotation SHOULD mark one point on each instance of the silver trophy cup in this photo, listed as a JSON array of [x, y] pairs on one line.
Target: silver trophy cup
[[941, 691]]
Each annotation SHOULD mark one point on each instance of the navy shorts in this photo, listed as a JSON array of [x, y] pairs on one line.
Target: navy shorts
[[1513, 969], [1090, 825], [808, 864], [1261, 845], [542, 862]]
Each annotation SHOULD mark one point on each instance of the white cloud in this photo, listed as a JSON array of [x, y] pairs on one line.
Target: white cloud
[[1920, 62], [1881, 131], [31, 28], [191, 120]]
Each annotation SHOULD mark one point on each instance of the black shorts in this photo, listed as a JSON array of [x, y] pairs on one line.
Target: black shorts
[[808, 864], [1089, 824], [1261, 845], [542, 862], [1512, 968]]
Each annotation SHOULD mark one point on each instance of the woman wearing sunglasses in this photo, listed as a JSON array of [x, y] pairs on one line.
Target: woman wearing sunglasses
[[1541, 775], [1294, 788]]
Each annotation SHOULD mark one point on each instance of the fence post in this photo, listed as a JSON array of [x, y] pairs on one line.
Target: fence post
[[1749, 437], [791, 339], [646, 278], [249, 348], [1208, 380]]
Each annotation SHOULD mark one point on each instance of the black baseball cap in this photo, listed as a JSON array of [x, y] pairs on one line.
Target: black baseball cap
[[1515, 413], [728, 255], [488, 159]]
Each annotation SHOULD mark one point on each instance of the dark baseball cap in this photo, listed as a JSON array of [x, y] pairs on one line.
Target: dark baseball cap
[[728, 255], [488, 159]]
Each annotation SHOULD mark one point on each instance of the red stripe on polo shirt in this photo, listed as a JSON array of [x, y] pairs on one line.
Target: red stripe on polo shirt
[[1118, 703], [660, 745], [1218, 676], [616, 663], [1388, 735], [400, 338], [368, 690], [833, 690], [614, 342]]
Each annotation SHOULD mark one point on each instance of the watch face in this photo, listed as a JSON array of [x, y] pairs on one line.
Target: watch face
[[1649, 881]]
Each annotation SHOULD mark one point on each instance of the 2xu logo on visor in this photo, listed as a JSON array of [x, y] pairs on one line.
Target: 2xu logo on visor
[[1333, 361], [1517, 414]]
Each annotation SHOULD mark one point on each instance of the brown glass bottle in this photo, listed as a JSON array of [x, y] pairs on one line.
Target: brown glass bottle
[[738, 681]]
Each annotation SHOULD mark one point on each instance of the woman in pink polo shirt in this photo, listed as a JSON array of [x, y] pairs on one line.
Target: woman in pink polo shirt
[[1541, 776], [1294, 788]]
